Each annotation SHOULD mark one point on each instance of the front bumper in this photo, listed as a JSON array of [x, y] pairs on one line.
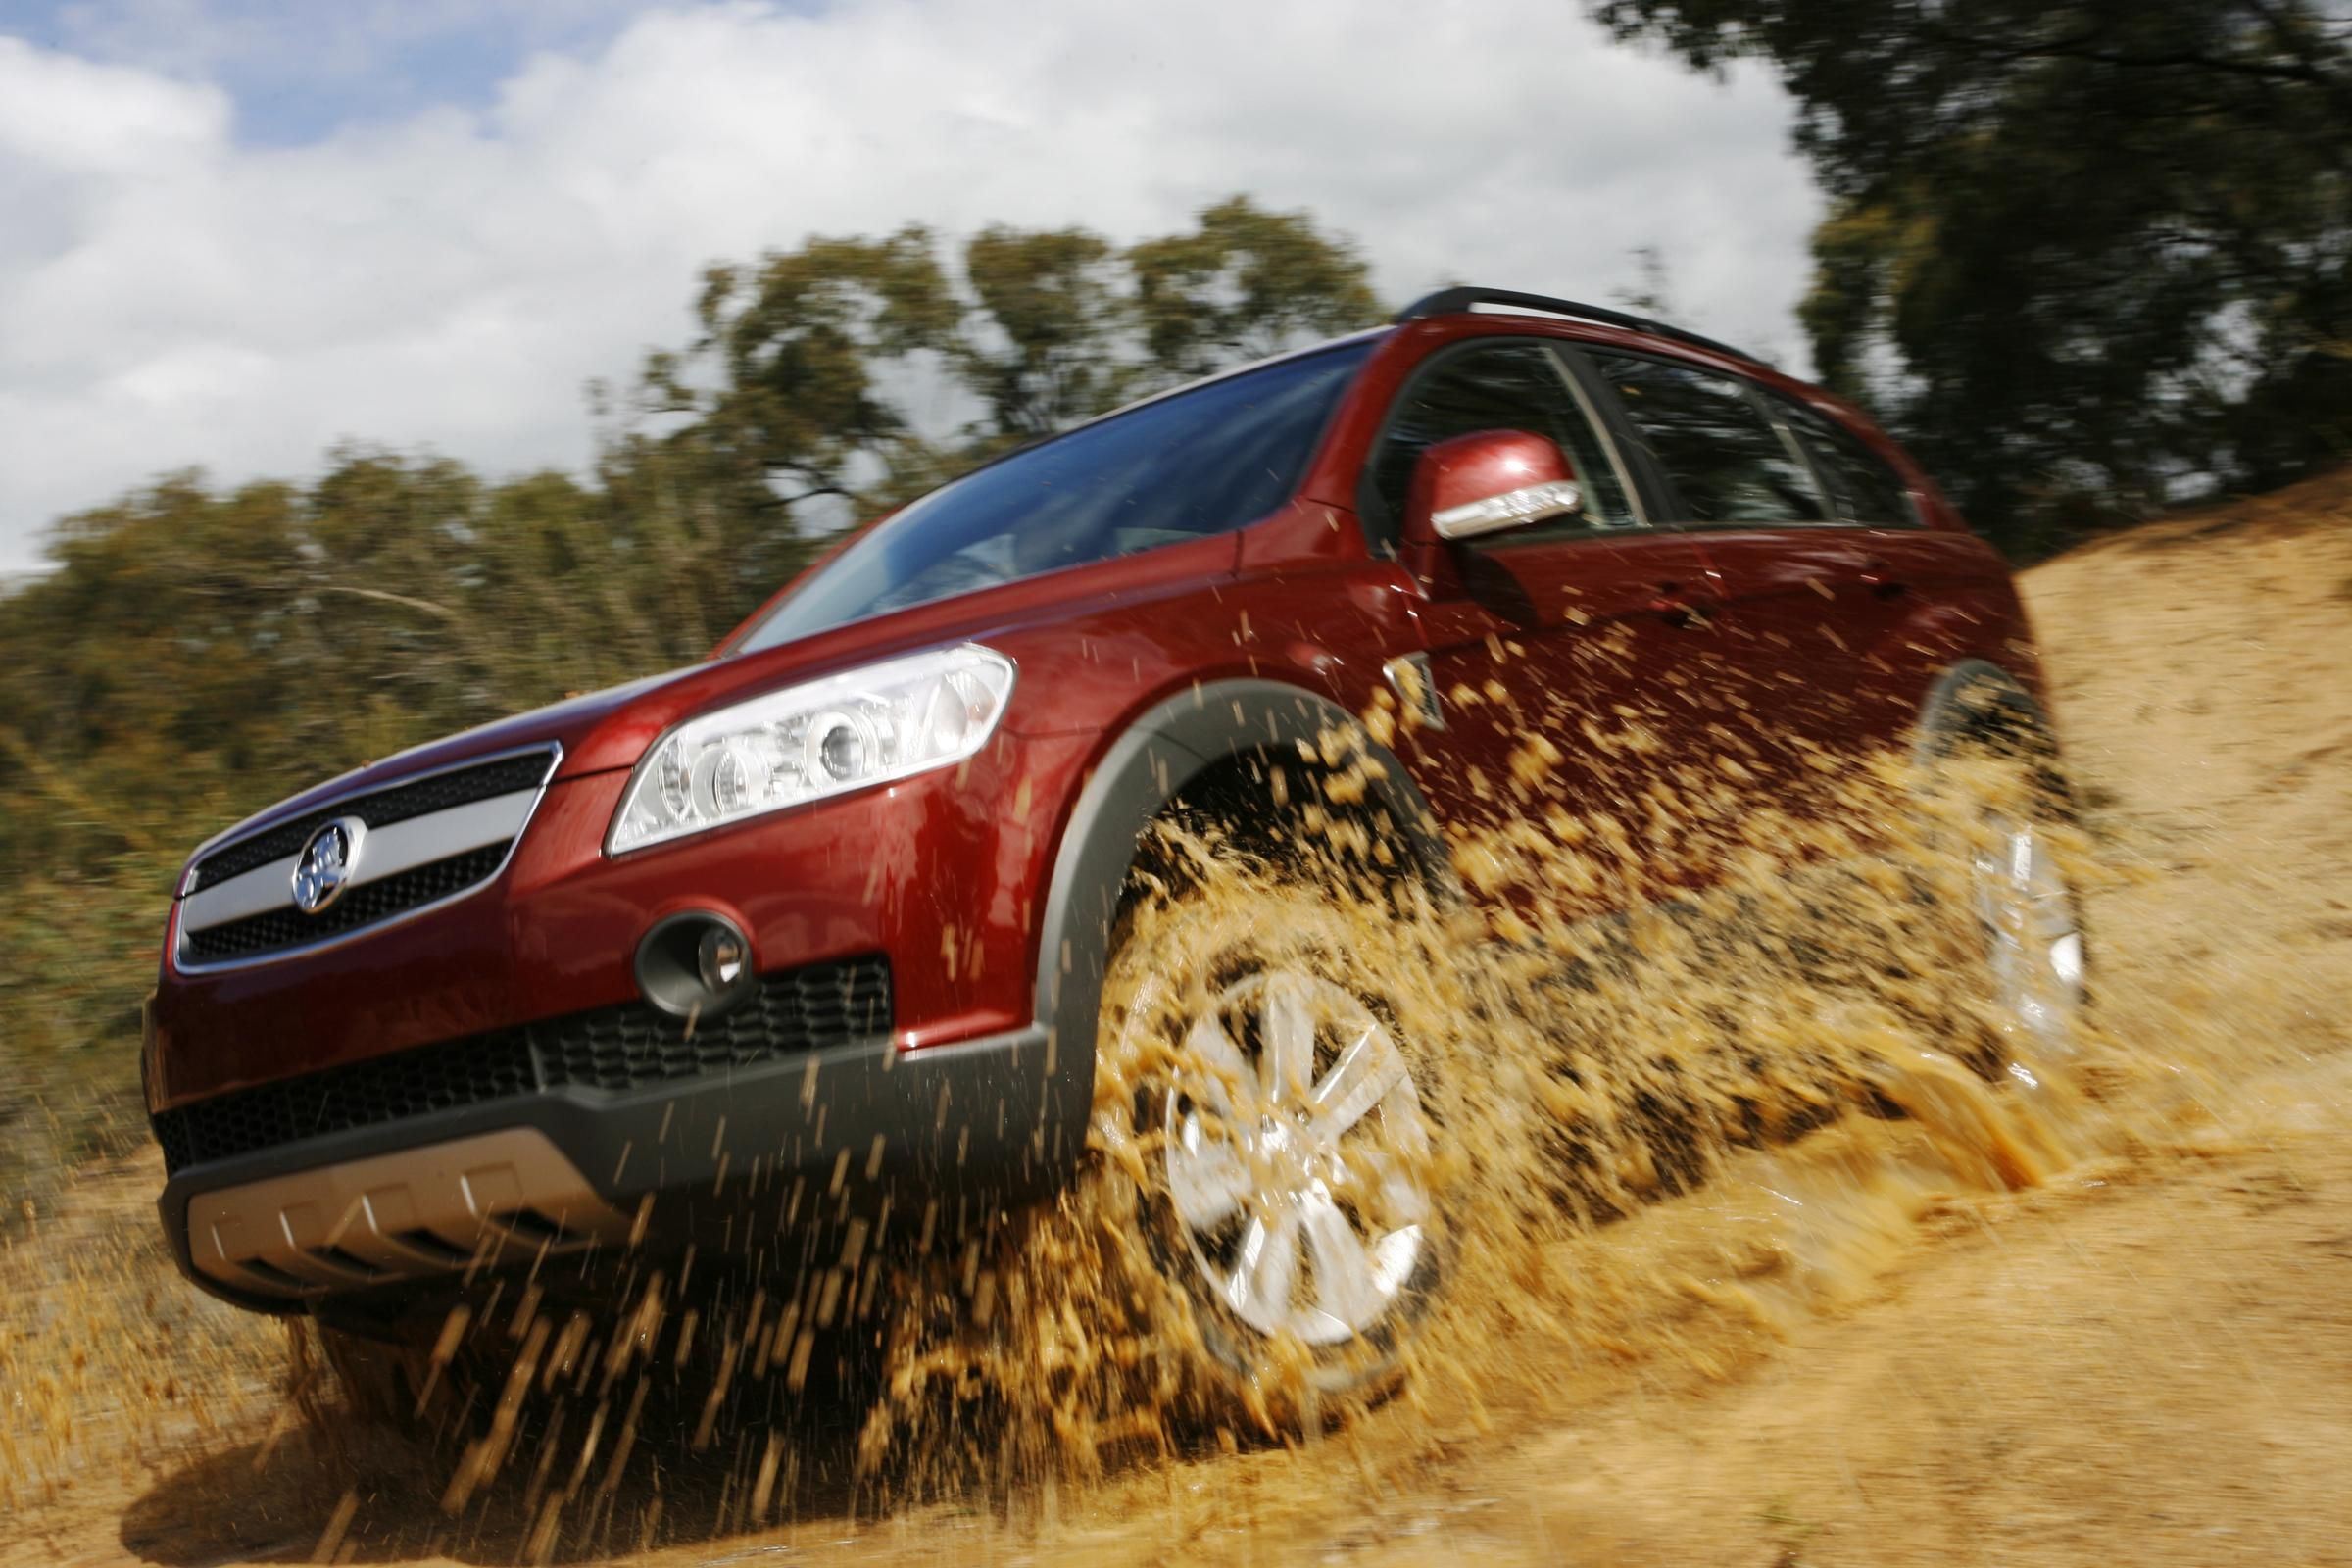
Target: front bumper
[[955, 1097], [918, 1144], [932, 871]]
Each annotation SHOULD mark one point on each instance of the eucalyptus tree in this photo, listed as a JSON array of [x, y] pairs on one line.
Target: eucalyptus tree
[[2085, 257]]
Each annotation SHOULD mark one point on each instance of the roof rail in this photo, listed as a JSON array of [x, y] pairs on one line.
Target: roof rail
[[1447, 301]]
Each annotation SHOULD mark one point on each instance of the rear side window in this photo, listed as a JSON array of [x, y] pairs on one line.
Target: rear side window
[[1727, 460], [1865, 488], [1502, 384]]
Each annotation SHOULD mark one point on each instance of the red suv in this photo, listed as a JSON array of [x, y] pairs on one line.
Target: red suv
[[818, 927]]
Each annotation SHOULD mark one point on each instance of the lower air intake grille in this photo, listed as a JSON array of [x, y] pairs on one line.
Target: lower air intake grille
[[799, 1010], [457, 1072], [620, 1048]]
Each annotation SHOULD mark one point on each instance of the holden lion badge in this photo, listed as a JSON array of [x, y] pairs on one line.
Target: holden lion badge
[[330, 859]]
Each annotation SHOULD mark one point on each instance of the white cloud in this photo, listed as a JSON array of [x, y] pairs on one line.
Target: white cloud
[[170, 296]]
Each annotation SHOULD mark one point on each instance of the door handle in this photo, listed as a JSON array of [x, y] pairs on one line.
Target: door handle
[[1668, 603], [1880, 580]]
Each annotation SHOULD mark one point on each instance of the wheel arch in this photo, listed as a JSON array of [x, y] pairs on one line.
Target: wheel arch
[[1977, 700], [1210, 735]]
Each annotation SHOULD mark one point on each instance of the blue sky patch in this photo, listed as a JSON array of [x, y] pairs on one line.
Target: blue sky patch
[[300, 69]]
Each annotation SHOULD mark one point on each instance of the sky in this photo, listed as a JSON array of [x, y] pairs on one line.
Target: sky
[[234, 232]]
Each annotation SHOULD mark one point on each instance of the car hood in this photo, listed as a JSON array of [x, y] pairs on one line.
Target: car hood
[[607, 731], [574, 725]]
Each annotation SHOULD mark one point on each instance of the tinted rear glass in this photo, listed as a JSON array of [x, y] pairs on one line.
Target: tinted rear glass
[[1726, 461], [1867, 490], [1199, 462]]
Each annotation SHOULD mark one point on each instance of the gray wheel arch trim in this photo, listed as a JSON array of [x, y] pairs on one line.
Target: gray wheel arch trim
[[1947, 713], [1143, 771]]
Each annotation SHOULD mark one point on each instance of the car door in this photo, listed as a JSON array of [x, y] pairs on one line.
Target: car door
[[1912, 594], [1794, 581], [1552, 655]]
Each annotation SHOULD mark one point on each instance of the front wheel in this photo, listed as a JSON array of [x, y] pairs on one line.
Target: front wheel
[[1286, 1134]]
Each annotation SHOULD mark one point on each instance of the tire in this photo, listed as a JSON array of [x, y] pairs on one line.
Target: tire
[[392, 1383], [1260, 1067]]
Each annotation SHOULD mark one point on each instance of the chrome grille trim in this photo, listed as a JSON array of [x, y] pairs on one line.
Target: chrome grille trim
[[405, 844], [245, 847], [261, 935], [402, 847]]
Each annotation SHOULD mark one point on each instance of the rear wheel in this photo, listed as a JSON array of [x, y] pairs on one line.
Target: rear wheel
[[2002, 789], [2032, 929]]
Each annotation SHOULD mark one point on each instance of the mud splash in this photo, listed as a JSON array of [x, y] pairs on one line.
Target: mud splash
[[1574, 1072], [1646, 1135], [104, 1368]]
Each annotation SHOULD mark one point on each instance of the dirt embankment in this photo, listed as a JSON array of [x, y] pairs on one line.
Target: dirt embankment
[[2146, 1358]]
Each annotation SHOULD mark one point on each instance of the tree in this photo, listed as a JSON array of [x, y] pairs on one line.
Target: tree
[[798, 385], [195, 652], [2085, 257], [1244, 284], [801, 341], [1651, 295], [1046, 350]]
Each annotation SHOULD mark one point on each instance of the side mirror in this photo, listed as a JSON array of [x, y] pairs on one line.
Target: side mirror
[[1486, 482]]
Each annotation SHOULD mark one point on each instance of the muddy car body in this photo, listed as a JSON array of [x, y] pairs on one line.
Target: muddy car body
[[541, 990]]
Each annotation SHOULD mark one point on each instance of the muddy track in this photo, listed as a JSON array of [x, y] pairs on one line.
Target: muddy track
[[1841, 1352]]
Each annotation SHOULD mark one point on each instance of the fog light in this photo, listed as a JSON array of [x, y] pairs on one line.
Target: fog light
[[722, 959], [695, 965]]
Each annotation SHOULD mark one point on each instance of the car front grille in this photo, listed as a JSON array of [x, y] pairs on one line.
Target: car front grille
[[399, 803], [278, 929], [617, 1048], [450, 832]]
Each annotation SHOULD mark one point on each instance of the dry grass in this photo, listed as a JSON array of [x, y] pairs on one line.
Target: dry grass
[[111, 1367]]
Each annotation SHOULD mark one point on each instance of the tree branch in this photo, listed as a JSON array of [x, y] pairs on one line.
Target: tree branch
[[809, 495], [425, 604], [2074, 46], [58, 787]]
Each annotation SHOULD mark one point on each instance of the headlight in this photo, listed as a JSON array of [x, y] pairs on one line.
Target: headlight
[[866, 727]]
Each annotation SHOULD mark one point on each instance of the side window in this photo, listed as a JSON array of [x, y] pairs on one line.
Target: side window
[[1500, 385], [1725, 458], [1867, 489]]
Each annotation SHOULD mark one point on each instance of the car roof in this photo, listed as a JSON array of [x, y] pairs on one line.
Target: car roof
[[1462, 300], [1466, 298]]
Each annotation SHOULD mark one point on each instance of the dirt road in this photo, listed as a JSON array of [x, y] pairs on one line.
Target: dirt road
[[2148, 1357]]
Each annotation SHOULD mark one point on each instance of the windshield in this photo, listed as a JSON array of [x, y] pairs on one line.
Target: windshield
[[1185, 467]]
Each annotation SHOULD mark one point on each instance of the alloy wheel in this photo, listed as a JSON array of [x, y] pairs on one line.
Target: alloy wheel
[[1297, 1160], [2032, 931]]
